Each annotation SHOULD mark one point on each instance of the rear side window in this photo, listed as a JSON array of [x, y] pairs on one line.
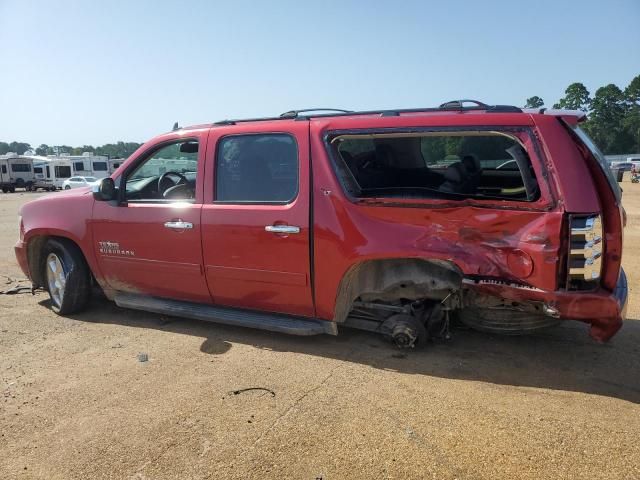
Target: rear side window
[[257, 168], [454, 165], [595, 151], [100, 166], [78, 166]]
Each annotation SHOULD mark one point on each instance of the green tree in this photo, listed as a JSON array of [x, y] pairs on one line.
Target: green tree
[[4, 148], [19, 147], [631, 121], [576, 97], [605, 124], [44, 150], [534, 102]]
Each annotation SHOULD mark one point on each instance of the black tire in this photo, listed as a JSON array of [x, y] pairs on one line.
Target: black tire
[[76, 288], [505, 321], [67, 187], [5, 189]]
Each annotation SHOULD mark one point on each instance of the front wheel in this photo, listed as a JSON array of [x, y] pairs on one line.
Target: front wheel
[[67, 187], [67, 277]]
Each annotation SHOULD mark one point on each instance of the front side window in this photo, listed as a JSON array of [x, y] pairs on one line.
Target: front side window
[[78, 166], [258, 168], [455, 165], [168, 174], [100, 166]]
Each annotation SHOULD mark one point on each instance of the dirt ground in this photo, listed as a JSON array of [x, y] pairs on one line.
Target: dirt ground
[[75, 402]]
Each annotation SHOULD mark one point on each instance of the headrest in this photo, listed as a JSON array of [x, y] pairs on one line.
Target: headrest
[[471, 163], [454, 172]]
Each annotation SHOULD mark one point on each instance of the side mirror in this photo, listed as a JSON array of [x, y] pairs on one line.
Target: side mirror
[[104, 190]]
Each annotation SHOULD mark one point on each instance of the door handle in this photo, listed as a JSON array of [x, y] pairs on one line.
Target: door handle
[[282, 229], [178, 225]]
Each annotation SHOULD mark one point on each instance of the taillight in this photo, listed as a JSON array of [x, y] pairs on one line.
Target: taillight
[[585, 252]]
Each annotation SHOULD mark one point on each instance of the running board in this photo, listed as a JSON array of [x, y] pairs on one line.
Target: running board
[[227, 316]]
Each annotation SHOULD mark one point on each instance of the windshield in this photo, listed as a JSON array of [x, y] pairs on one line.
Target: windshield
[[604, 165]]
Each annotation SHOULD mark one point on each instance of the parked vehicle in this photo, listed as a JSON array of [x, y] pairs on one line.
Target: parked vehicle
[[89, 165], [42, 176], [114, 164], [623, 166], [77, 182], [388, 221], [16, 172]]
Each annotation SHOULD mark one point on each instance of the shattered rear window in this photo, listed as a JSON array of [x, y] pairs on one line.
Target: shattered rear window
[[454, 165]]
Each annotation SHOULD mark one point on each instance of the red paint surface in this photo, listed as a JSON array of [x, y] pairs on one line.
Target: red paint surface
[[229, 259]]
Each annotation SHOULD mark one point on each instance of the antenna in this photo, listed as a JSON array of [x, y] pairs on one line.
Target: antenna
[[175, 127]]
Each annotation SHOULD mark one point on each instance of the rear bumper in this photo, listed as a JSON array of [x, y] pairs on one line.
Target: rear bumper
[[605, 312], [21, 255], [602, 309], [604, 330]]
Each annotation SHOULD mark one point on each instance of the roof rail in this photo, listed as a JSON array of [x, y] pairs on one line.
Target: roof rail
[[453, 105], [459, 104], [296, 113]]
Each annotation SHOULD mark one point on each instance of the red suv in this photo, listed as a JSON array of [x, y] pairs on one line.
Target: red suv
[[392, 221]]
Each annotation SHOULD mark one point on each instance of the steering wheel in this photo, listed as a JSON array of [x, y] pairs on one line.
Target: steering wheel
[[182, 180]]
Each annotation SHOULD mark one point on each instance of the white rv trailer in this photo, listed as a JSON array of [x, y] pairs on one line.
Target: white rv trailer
[[60, 168], [16, 171], [89, 165], [42, 174], [114, 164]]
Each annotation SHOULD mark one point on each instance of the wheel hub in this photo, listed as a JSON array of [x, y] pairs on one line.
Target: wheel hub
[[404, 335], [56, 278]]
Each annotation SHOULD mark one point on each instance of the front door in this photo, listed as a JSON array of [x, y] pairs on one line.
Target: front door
[[255, 220], [150, 242]]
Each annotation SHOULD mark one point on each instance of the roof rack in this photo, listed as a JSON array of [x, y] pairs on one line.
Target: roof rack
[[296, 113], [453, 105]]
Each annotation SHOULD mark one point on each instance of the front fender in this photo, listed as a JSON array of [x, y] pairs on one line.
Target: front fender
[[66, 215]]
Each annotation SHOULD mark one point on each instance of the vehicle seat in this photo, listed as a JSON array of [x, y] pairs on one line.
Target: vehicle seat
[[473, 168], [454, 177]]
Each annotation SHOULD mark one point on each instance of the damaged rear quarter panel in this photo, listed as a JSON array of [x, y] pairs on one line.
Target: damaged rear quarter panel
[[518, 243]]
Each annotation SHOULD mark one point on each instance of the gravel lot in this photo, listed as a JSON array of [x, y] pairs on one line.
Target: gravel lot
[[75, 402]]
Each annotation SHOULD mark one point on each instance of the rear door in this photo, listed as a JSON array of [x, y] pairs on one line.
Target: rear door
[[255, 220]]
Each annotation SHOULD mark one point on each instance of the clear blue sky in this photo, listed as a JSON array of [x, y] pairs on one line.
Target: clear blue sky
[[94, 72]]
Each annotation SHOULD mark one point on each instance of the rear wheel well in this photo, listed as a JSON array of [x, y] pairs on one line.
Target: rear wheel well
[[388, 280]]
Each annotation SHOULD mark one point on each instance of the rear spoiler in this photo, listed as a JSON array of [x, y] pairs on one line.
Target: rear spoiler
[[570, 116]]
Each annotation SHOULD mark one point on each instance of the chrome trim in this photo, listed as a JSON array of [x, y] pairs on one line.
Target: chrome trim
[[287, 229], [179, 225]]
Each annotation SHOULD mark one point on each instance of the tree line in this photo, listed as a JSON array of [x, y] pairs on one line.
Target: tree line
[[111, 150], [613, 120]]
